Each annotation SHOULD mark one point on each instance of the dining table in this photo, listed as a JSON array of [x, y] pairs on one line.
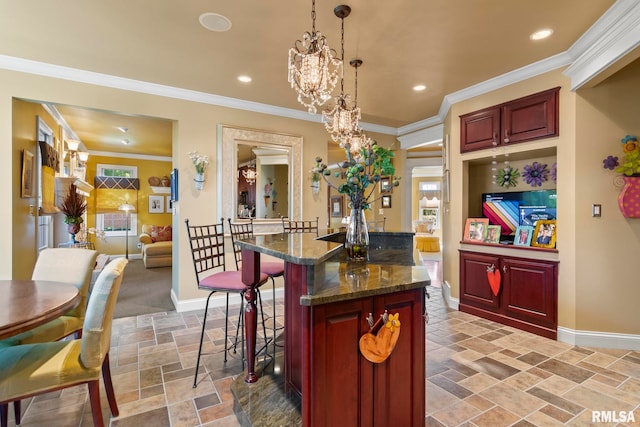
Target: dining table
[[26, 304]]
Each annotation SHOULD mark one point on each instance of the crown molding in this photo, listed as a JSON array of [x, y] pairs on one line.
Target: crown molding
[[613, 36]]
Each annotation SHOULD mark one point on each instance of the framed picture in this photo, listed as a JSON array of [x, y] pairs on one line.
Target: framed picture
[[544, 235], [475, 229], [156, 204], [169, 204], [336, 206], [386, 202], [386, 186], [493, 234], [28, 169], [523, 235]]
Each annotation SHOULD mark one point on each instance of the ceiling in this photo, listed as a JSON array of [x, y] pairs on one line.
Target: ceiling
[[447, 45]]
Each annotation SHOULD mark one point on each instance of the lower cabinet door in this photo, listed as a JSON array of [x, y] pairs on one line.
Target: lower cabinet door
[[475, 290], [530, 291]]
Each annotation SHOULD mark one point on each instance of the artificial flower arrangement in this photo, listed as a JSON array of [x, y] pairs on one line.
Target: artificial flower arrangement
[[631, 159], [361, 171], [535, 174], [200, 161]]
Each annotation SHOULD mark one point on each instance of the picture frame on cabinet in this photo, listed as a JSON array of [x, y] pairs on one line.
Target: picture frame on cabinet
[[156, 204], [523, 235], [544, 235], [475, 229], [492, 234]]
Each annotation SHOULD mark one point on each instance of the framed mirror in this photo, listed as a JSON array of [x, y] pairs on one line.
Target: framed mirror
[[260, 175]]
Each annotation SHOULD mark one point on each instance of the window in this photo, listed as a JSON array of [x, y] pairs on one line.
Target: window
[[116, 223]]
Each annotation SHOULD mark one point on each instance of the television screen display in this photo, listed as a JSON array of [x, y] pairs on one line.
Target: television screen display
[[518, 208]]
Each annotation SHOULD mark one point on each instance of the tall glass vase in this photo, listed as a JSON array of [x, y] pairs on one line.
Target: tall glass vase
[[357, 238]]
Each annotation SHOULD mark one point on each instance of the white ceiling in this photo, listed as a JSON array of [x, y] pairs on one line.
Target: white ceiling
[[448, 45]]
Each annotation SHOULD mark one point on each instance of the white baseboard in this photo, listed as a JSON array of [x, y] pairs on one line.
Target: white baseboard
[[452, 303], [571, 336], [599, 339], [219, 300]]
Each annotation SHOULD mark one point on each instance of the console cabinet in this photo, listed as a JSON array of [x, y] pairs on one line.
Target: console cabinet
[[528, 294], [531, 117]]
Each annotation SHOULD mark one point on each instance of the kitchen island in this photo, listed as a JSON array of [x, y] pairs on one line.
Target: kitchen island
[[321, 378]]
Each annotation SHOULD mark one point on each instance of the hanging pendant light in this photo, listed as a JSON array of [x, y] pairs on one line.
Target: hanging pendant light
[[342, 120], [313, 67], [357, 139], [250, 174]]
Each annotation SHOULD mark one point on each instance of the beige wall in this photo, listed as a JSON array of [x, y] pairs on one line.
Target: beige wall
[[194, 130]]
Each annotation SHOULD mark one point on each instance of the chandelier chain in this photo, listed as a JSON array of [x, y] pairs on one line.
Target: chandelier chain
[[313, 16]]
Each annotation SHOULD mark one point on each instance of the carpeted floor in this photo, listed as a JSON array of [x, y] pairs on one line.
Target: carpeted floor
[[144, 290]]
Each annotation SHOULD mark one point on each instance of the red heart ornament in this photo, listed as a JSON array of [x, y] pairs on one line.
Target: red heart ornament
[[494, 280]]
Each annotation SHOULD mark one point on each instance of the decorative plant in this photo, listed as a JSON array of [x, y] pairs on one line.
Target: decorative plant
[[73, 206], [200, 161], [507, 177], [535, 174], [631, 163], [360, 173]]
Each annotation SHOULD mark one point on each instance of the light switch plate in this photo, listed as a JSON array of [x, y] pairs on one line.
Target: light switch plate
[[596, 210]]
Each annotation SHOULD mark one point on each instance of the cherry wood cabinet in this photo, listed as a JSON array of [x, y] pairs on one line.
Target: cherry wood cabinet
[[347, 389], [528, 294], [525, 119]]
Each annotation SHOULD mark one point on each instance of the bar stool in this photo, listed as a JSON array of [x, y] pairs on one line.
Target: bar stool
[[273, 269], [207, 250], [300, 226]]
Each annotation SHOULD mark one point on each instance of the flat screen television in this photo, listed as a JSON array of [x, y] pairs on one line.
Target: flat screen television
[[511, 209]]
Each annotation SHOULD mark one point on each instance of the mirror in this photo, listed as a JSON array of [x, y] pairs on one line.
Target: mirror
[[275, 191]]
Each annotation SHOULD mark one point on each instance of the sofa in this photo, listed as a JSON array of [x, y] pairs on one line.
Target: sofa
[[157, 245]]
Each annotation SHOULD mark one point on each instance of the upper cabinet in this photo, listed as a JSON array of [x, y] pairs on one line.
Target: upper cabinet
[[524, 119]]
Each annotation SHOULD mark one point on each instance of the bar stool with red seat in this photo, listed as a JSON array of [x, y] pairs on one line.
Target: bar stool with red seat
[[207, 250]]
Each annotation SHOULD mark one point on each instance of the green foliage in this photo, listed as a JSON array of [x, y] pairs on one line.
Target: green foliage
[[360, 173]]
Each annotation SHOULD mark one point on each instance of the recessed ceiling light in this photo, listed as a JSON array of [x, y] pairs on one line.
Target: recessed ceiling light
[[123, 129], [125, 141], [244, 79], [215, 22], [541, 34], [419, 88]]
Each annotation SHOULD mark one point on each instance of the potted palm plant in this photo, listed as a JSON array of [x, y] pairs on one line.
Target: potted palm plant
[[73, 206]]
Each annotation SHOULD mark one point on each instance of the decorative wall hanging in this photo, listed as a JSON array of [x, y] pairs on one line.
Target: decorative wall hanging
[[629, 197], [507, 177], [494, 278], [535, 174], [378, 344], [200, 162]]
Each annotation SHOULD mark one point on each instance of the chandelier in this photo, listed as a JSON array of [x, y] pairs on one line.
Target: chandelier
[[342, 120], [357, 139], [250, 173], [313, 67]]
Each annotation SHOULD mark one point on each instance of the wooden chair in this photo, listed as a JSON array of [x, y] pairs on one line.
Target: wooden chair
[[67, 265], [300, 226], [272, 268], [377, 225], [32, 369], [208, 253]]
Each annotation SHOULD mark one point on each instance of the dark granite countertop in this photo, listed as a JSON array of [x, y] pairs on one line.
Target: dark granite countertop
[[333, 278]]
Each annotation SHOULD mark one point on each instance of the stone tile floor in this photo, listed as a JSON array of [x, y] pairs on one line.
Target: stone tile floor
[[479, 373]]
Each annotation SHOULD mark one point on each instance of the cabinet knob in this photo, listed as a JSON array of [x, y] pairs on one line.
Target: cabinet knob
[[504, 268], [506, 135]]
